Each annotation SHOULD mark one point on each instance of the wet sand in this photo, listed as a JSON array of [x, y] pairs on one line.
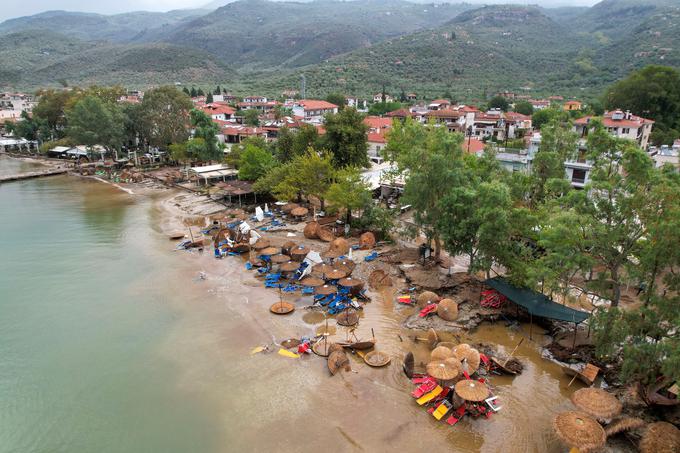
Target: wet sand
[[267, 401]]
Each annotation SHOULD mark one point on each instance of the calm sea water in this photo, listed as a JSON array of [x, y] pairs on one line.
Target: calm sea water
[[83, 316]]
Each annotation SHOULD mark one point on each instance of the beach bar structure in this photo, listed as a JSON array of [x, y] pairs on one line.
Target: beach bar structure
[[537, 304], [9, 144], [236, 188], [210, 173]]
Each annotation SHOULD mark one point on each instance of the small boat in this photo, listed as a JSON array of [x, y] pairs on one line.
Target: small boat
[[359, 345], [507, 368]]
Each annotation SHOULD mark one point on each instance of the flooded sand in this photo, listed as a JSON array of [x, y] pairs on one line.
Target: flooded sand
[[111, 342]]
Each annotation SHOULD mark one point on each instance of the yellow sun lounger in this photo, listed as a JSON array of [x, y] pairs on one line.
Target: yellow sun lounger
[[426, 398], [442, 410], [287, 353]]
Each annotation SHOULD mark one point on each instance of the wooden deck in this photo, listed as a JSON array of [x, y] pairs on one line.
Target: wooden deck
[[34, 174]]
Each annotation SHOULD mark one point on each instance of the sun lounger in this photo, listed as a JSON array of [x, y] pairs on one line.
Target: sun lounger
[[441, 410], [432, 308], [371, 257], [429, 396], [456, 416], [428, 384]]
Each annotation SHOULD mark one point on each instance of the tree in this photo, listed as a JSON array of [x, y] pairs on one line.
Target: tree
[[431, 160], [475, 220], [186, 91], [545, 116], [558, 143], [206, 130], [337, 99], [524, 107], [255, 162], [284, 145], [164, 115], [200, 92], [381, 108], [209, 98], [52, 110], [349, 191], [345, 138], [217, 90], [306, 137], [193, 92], [30, 128], [92, 121], [499, 102], [308, 175], [251, 117], [652, 92]]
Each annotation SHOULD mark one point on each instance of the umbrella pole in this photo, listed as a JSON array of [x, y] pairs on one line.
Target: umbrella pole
[[512, 353]]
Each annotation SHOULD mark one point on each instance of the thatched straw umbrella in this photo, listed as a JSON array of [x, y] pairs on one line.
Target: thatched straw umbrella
[[288, 207], [579, 430], [447, 309], [432, 338], [299, 252], [310, 230], [325, 234], [278, 259], [347, 318], [346, 263], [325, 290], [261, 243], [289, 266], [427, 297], [267, 251], [444, 369], [623, 424], [469, 358], [660, 437], [299, 212], [312, 281], [597, 402], [460, 349], [287, 247], [340, 245], [330, 254], [336, 361], [471, 390], [441, 353], [409, 364], [377, 359], [282, 308], [367, 241], [335, 274]]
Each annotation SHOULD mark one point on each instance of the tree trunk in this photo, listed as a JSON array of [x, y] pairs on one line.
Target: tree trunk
[[437, 247], [323, 204], [348, 219], [616, 288]]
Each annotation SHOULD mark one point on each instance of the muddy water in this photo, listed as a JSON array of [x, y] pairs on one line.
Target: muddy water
[[273, 402]]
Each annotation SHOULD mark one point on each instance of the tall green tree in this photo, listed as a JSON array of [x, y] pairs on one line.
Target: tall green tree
[[558, 144], [284, 145], [499, 102], [337, 99], [349, 192], [92, 122], [346, 138], [30, 128], [652, 92], [164, 116], [51, 109], [255, 162], [251, 117], [206, 130], [524, 107], [307, 136]]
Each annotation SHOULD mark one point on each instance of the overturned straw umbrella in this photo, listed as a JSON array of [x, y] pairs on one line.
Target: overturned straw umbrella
[[427, 297], [268, 251], [660, 437], [579, 430], [597, 402], [289, 266], [298, 253], [447, 309], [409, 364], [349, 282], [469, 358], [325, 290], [299, 212], [336, 361], [441, 353], [261, 243], [330, 254], [347, 318], [471, 390], [377, 359], [335, 274], [444, 369], [623, 424], [432, 338]]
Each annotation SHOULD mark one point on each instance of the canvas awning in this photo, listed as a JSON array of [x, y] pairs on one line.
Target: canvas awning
[[537, 304]]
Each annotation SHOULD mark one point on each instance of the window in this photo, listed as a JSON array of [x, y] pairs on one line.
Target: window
[[625, 130], [578, 176]]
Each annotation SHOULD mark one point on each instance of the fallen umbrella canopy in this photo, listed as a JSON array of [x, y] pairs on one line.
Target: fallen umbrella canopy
[[471, 390], [280, 258], [597, 402], [579, 430], [660, 437], [261, 243], [377, 359], [289, 266], [312, 281], [347, 318], [444, 369], [282, 308], [268, 251], [336, 361], [325, 290], [335, 274]]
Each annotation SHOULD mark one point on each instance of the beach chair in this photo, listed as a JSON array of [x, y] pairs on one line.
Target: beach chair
[[307, 290], [372, 256], [426, 398], [432, 308], [442, 409], [456, 416]]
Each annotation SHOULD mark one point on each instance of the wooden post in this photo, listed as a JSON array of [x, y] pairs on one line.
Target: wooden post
[[573, 345], [531, 325]]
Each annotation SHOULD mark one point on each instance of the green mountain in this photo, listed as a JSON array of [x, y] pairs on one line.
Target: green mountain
[[615, 18], [34, 59], [120, 28]]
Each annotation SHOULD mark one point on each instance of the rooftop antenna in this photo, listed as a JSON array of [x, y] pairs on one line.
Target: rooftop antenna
[[303, 85]]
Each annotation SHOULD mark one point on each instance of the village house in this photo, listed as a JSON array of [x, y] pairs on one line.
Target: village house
[[376, 135], [379, 98], [439, 104], [666, 155], [572, 106], [620, 124], [252, 103], [411, 97], [539, 104], [313, 110], [219, 111], [17, 102], [231, 134]]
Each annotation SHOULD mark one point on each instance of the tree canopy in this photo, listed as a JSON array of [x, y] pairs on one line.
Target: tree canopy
[[164, 116], [345, 138]]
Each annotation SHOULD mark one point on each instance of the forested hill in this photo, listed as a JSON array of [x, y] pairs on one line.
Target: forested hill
[[355, 47]]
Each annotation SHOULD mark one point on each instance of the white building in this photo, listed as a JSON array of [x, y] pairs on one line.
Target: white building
[[620, 124], [313, 110]]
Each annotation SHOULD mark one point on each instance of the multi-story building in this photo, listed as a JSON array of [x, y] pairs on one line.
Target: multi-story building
[[313, 110], [620, 124]]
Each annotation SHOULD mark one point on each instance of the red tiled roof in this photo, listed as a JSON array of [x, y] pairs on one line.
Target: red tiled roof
[[376, 137], [473, 145], [572, 103], [633, 121], [401, 113], [445, 113], [440, 101], [217, 109], [315, 104], [514, 116], [376, 122]]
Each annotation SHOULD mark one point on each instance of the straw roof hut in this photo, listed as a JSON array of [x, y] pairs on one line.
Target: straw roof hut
[[447, 309], [427, 297], [444, 369], [579, 430], [597, 402], [471, 390], [623, 424], [660, 437], [441, 353], [310, 230], [367, 241]]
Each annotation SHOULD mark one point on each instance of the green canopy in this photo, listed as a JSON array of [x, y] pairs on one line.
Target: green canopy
[[536, 303]]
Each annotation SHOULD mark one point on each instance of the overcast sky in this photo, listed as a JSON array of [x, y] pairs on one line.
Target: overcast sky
[[17, 8]]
